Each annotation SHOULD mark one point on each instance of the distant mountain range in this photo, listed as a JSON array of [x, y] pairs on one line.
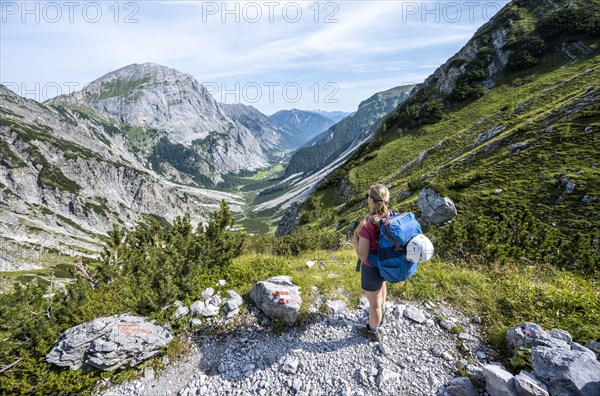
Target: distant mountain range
[[135, 144], [302, 125], [336, 116], [68, 173], [327, 146], [323, 154]]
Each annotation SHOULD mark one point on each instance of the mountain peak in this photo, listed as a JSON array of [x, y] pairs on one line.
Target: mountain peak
[[149, 72]]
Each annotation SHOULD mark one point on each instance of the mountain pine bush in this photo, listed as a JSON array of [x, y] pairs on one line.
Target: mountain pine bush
[[501, 234], [141, 272]]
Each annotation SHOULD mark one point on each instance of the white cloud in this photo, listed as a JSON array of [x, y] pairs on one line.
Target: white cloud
[[372, 44]]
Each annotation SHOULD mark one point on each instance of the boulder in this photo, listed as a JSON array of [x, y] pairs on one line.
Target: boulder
[[212, 306], [214, 300], [588, 199], [108, 343], [387, 378], [565, 371], [290, 365], [567, 185], [561, 335], [278, 298], [181, 310], [528, 385], [434, 208], [578, 347], [475, 372], [289, 221], [208, 293], [414, 314], [461, 386], [593, 345], [529, 335], [234, 301], [197, 307], [447, 324], [210, 310], [499, 382]]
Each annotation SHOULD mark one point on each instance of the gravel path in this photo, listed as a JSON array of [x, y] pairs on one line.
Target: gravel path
[[325, 357]]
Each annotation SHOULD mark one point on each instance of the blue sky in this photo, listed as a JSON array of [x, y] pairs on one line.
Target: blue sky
[[274, 55]]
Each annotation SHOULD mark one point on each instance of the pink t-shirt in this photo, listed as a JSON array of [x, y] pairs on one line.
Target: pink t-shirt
[[371, 233]]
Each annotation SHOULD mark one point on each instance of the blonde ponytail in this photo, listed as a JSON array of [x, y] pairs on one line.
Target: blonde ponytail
[[381, 197]]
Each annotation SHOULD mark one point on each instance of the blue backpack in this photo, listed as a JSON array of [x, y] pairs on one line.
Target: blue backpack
[[394, 234]]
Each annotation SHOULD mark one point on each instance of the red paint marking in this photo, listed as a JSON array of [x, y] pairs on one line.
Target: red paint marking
[[130, 328]]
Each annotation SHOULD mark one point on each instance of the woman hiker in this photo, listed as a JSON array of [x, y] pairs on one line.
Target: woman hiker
[[366, 238]]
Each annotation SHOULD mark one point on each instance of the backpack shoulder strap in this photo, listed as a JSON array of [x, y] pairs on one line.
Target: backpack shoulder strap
[[384, 230]]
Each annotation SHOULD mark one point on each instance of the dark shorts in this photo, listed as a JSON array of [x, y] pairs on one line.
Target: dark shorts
[[370, 278]]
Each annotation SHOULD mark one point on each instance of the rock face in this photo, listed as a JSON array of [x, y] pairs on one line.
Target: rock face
[[278, 298], [269, 135], [434, 208], [485, 136], [289, 221], [567, 372], [109, 343], [234, 302]]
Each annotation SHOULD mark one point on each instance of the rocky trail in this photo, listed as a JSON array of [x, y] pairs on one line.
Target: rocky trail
[[419, 355]]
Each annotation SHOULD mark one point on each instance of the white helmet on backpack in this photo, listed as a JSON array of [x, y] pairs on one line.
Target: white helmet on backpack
[[419, 249]]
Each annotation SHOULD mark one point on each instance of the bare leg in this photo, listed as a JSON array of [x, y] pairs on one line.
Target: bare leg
[[375, 304], [384, 288]]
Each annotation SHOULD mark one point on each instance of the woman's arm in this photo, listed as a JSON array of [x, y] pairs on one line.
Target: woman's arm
[[362, 248]]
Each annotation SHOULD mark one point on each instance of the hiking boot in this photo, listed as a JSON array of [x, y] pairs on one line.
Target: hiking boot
[[363, 330]]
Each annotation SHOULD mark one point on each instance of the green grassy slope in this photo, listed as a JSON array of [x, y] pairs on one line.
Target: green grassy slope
[[542, 125]]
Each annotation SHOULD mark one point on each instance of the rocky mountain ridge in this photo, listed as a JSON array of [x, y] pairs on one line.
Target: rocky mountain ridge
[[158, 98], [325, 356], [274, 139], [426, 348], [514, 92], [322, 155], [67, 176], [326, 147]]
